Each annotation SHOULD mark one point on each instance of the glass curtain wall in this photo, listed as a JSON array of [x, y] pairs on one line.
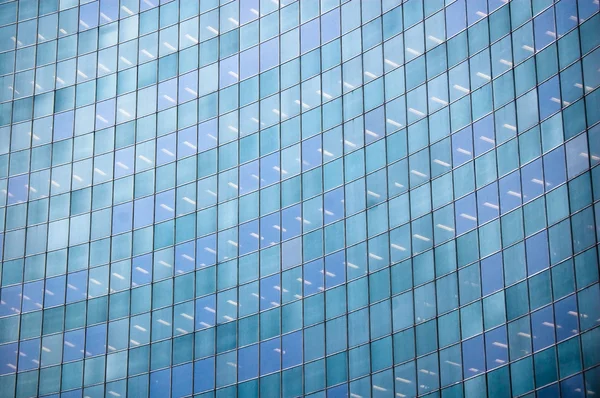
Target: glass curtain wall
[[278, 198]]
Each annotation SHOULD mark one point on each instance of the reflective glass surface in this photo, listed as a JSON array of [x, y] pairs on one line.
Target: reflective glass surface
[[278, 198]]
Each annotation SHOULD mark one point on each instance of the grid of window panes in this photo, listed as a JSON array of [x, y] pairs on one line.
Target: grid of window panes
[[364, 198]]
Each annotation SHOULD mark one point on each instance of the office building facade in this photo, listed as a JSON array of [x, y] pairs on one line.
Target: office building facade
[[321, 198]]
